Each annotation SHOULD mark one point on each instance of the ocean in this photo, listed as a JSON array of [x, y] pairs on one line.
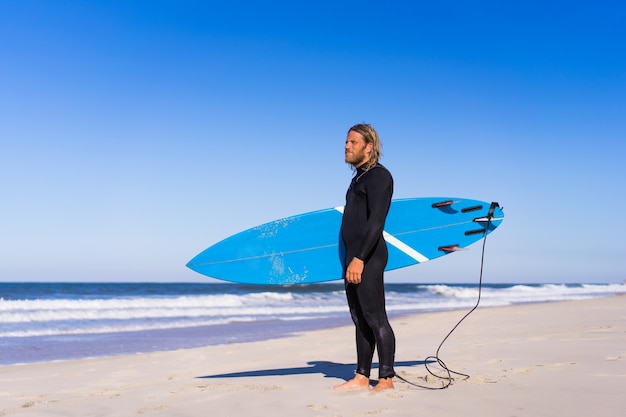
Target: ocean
[[60, 321]]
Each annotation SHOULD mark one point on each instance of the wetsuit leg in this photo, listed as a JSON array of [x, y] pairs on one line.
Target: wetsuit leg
[[365, 340], [367, 308]]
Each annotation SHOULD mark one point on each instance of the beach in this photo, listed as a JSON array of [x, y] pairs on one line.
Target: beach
[[545, 359]]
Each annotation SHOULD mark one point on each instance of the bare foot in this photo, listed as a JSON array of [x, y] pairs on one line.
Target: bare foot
[[383, 384], [359, 381]]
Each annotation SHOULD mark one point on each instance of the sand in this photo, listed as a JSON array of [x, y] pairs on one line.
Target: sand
[[551, 359]]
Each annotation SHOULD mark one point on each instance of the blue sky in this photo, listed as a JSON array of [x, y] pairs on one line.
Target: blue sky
[[136, 134]]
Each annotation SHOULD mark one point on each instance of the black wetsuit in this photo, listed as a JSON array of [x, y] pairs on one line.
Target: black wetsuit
[[367, 204]]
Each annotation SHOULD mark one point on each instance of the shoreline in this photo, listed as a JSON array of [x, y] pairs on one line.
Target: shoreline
[[44, 349], [160, 340], [57, 321], [553, 358], [111, 345]]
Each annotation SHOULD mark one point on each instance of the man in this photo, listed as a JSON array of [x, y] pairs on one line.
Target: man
[[367, 204]]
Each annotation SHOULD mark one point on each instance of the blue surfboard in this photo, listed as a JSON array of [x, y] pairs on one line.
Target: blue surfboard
[[306, 248]]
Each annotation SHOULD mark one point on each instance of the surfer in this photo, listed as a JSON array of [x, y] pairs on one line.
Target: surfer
[[367, 203]]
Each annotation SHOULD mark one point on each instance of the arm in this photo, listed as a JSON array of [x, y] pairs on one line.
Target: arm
[[379, 190]]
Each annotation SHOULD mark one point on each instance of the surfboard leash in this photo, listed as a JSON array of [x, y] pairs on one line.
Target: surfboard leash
[[447, 379]]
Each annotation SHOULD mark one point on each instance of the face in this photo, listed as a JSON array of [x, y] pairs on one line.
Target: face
[[357, 151]]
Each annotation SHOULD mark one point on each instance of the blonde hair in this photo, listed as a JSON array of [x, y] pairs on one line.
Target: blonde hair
[[370, 136]]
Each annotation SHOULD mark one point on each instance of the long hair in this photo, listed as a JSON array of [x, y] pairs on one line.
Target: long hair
[[370, 136]]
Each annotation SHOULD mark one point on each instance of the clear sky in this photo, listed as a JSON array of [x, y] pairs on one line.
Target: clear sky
[[134, 134]]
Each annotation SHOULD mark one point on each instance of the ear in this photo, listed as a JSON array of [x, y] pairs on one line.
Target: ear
[[369, 148]]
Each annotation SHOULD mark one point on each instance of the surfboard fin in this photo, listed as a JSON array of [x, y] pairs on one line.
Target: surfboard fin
[[450, 248], [444, 203], [475, 232], [486, 219], [470, 209], [489, 217]]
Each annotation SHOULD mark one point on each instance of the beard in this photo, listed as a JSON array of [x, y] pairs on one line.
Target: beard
[[356, 157]]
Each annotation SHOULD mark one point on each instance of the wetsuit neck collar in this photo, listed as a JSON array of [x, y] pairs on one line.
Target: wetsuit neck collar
[[360, 171]]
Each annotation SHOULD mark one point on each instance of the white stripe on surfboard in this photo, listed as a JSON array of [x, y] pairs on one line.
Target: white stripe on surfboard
[[398, 244], [404, 247]]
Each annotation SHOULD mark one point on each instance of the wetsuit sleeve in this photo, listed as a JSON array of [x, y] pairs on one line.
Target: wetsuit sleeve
[[379, 190]]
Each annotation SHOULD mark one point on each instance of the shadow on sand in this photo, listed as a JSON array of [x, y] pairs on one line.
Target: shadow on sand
[[328, 369]]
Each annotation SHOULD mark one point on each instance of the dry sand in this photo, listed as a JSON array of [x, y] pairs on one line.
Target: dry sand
[[552, 359]]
